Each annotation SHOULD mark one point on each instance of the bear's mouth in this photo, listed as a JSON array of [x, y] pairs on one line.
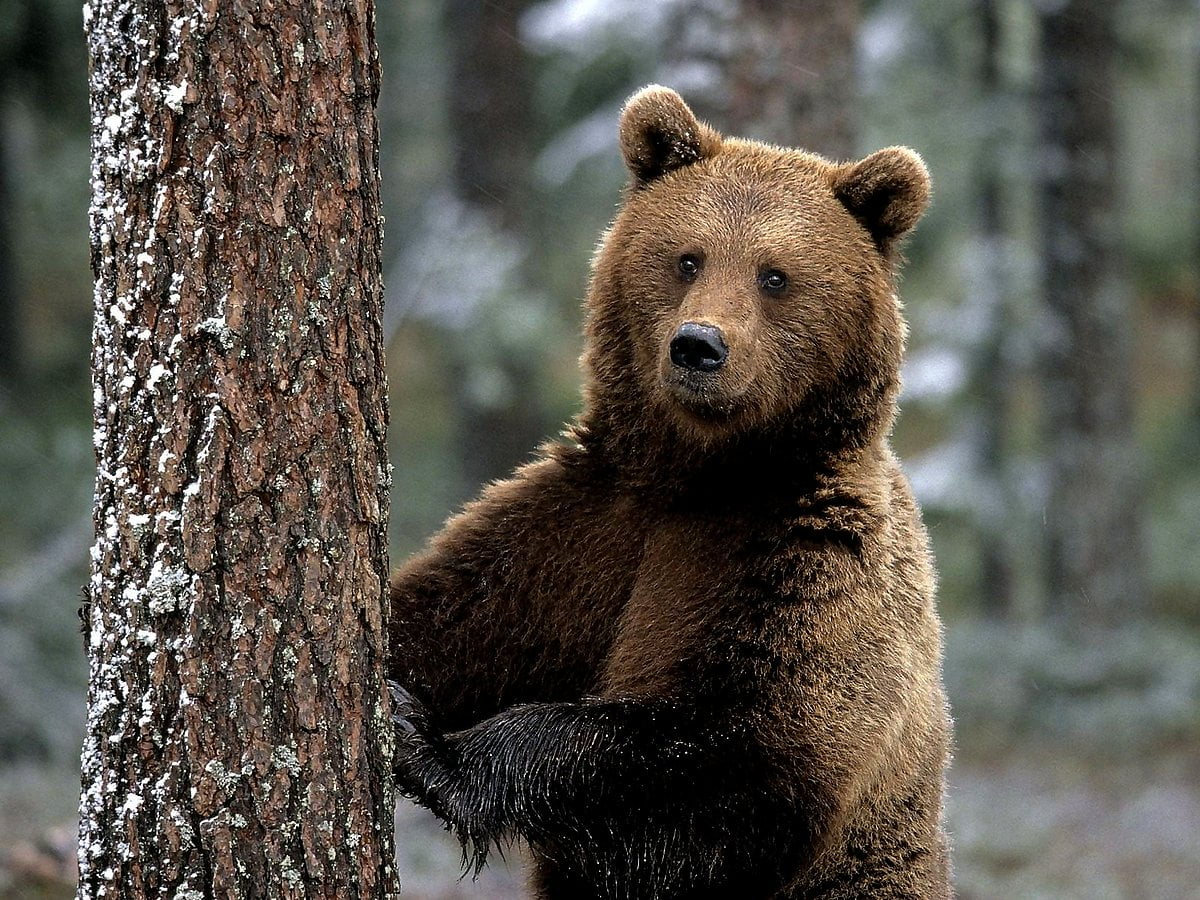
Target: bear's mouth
[[700, 395]]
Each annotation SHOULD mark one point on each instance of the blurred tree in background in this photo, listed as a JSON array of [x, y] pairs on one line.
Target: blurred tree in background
[[39, 58], [993, 372], [45, 448], [1094, 515], [493, 130], [772, 70], [1052, 393]]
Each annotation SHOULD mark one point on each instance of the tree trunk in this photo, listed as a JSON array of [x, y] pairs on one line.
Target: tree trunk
[[491, 114], [491, 125], [238, 736], [1196, 227], [995, 375], [1094, 518], [785, 69], [12, 349]]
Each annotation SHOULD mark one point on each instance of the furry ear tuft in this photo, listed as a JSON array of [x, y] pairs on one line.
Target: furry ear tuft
[[887, 192], [659, 134]]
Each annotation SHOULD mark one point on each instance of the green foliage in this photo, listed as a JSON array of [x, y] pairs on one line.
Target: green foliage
[[1114, 692]]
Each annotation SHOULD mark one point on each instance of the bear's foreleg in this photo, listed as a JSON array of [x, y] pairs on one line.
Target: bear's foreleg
[[619, 798]]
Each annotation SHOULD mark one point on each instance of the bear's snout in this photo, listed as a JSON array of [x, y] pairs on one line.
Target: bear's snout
[[698, 347]]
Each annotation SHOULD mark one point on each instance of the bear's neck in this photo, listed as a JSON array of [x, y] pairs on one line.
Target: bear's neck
[[829, 435]]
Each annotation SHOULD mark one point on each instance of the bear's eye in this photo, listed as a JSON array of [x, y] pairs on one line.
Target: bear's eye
[[772, 281], [689, 266]]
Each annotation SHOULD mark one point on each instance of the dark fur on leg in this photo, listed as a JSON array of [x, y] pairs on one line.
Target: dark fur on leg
[[619, 798], [426, 767]]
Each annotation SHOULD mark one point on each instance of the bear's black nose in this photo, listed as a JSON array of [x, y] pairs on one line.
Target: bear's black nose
[[698, 347]]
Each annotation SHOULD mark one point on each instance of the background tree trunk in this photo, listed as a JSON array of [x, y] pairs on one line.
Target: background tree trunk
[[1093, 512], [1196, 225], [783, 70], [491, 107], [12, 350], [994, 373], [238, 738], [492, 128]]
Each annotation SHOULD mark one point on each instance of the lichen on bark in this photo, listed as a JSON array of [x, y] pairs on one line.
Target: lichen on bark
[[238, 735]]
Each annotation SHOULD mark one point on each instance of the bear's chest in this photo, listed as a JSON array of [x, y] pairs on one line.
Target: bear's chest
[[698, 607]]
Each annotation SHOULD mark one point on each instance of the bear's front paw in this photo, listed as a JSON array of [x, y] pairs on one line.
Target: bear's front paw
[[421, 763], [430, 769], [408, 713]]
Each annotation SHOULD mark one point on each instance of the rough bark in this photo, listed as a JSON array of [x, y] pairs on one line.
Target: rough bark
[[786, 69], [1093, 516], [238, 736]]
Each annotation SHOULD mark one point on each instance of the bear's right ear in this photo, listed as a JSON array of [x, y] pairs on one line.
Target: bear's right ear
[[660, 134], [887, 192]]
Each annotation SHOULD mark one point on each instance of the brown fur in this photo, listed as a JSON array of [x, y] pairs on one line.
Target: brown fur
[[742, 547]]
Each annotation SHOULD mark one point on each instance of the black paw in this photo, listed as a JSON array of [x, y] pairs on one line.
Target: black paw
[[422, 764], [408, 713]]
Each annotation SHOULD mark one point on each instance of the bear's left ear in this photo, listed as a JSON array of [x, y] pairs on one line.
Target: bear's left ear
[[659, 134], [887, 192]]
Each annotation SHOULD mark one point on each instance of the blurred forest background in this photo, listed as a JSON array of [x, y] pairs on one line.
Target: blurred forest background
[[1050, 419]]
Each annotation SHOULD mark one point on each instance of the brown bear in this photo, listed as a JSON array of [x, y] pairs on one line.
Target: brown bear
[[691, 650]]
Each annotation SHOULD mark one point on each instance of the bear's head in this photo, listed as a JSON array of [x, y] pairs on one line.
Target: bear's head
[[747, 289]]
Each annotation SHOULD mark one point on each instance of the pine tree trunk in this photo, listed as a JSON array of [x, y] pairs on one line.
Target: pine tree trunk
[[491, 125], [782, 70], [12, 350], [1094, 515], [491, 107], [238, 733], [994, 374], [1196, 228]]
